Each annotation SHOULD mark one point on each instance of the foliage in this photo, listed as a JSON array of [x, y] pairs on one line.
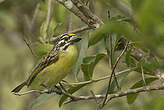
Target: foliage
[[140, 22]]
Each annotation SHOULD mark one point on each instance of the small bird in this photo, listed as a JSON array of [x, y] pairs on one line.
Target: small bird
[[54, 66]]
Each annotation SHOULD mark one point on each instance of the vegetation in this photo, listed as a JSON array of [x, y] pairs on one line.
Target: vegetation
[[121, 56]]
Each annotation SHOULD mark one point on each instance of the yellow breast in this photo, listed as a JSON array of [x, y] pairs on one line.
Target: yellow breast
[[54, 73]]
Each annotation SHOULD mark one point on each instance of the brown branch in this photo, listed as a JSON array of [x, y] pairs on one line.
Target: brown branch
[[92, 18], [48, 17], [120, 94], [111, 59], [109, 97], [112, 52], [79, 13], [78, 30], [113, 70]]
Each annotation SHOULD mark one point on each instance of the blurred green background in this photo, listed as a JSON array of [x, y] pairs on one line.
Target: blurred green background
[[25, 19]]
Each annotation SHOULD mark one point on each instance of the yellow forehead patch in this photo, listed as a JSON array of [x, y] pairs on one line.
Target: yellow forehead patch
[[71, 34]]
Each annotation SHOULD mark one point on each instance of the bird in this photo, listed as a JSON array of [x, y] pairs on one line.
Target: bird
[[54, 66]]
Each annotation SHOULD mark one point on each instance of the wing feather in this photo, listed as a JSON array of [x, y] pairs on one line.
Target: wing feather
[[49, 59]]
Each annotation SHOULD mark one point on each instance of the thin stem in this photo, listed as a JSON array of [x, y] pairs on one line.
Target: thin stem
[[119, 94], [114, 67], [29, 46], [143, 77], [48, 17], [98, 79], [35, 14]]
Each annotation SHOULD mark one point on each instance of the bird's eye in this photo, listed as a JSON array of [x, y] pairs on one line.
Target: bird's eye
[[67, 38]]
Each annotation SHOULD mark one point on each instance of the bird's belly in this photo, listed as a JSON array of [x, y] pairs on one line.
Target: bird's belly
[[54, 73]]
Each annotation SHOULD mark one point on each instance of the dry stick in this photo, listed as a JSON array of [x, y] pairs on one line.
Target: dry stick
[[70, 23], [95, 99], [81, 14], [48, 17], [28, 45], [78, 30], [28, 22], [71, 7], [119, 94], [99, 79], [92, 19], [134, 91], [114, 67], [111, 53], [111, 57], [46, 91], [65, 92], [31, 91], [35, 14], [143, 77], [111, 96]]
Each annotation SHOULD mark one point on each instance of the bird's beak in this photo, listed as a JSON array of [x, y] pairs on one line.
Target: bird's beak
[[75, 39]]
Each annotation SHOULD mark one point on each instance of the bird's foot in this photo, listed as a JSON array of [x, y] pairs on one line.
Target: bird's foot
[[55, 89]]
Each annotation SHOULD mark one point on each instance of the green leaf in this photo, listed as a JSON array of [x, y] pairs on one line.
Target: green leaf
[[62, 14], [71, 91], [136, 4], [149, 65], [82, 54], [89, 64], [132, 97], [119, 28], [40, 100]]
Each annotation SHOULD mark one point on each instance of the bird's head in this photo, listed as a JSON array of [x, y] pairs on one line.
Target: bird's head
[[67, 39]]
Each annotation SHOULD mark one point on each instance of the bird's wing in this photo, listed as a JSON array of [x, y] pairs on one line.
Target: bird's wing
[[49, 59]]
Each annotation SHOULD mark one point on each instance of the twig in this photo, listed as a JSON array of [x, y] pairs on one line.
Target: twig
[[95, 100], [78, 30], [143, 77], [65, 92], [111, 60], [112, 53], [29, 46], [99, 79], [35, 14], [111, 96], [31, 91], [48, 17], [70, 23], [114, 67], [120, 94]]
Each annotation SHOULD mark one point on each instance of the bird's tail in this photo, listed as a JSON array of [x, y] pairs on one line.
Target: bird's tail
[[19, 87]]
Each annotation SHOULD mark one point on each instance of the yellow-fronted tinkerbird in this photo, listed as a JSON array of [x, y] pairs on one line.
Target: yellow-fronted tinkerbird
[[54, 66]]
